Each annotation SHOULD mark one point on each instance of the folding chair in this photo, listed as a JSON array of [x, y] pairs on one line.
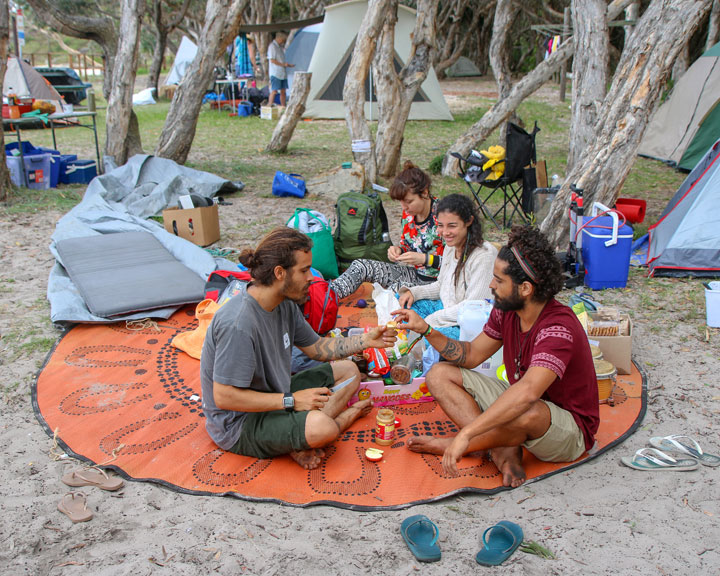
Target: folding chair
[[519, 153]]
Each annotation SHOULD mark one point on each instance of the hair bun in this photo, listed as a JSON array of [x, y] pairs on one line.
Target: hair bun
[[408, 165]]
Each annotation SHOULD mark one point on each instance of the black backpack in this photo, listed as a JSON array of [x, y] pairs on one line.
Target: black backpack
[[362, 228]]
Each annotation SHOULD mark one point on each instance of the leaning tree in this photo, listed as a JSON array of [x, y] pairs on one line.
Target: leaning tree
[[219, 28], [644, 68], [166, 15]]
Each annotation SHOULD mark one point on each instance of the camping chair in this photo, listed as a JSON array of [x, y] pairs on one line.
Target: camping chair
[[517, 199]]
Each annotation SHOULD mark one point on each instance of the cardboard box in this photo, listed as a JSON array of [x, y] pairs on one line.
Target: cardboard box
[[389, 395], [199, 225], [271, 112], [617, 349]]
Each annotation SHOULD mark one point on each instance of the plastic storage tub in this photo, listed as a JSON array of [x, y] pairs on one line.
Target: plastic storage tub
[[55, 157], [37, 171], [606, 266]]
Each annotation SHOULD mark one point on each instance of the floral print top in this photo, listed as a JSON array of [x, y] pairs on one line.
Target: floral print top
[[423, 237]]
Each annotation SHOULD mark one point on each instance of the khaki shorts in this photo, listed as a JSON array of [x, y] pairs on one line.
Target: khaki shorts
[[563, 441]]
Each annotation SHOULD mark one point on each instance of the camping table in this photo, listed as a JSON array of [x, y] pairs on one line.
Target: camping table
[[232, 81], [15, 124]]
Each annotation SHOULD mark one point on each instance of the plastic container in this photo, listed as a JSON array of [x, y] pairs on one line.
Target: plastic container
[[245, 109], [55, 160], [632, 208], [11, 148], [606, 259], [712, 304], [385, 429], [37, 171], [79, 172]]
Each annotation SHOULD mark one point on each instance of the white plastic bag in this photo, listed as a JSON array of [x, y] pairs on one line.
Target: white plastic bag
[[385, 302], [472, 317]]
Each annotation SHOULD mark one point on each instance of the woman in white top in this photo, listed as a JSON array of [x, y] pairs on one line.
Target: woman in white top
[[465, 272]]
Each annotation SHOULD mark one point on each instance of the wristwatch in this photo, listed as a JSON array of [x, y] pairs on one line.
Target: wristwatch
[[288, 402]]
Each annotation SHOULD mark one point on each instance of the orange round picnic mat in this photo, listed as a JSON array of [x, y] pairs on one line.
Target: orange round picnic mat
[[109, 390]]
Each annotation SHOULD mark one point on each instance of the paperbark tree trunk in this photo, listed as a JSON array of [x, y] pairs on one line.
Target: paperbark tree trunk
[[396, 90], [123, 81], [504, 15], [503, 108], [181, 122], [713, 25], [4, 37], [101, 29], [589, 73], [296, 107], [644, 67], [363, 149]]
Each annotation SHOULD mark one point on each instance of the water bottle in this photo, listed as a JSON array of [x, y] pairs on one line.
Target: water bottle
[[555, 181], [386, 237], [91, 99]]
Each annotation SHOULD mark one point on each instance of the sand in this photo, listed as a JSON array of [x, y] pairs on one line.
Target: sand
[[600, 518]]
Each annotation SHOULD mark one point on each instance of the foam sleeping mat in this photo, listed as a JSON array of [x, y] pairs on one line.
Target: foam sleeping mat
[[127, 272]]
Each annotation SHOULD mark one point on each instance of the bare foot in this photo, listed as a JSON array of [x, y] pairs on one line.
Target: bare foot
[[308, 459], [428, 444], [509, 462], [357, 410]]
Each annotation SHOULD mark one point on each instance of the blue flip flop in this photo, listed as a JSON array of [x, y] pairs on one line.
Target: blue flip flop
[[499, 542], [421, 535]]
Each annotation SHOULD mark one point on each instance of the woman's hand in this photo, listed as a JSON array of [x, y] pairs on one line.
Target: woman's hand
[[412, 258], [393, 253], [406, 299]]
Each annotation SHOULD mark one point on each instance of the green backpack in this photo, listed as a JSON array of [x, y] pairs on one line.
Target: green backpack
[[362, 229]]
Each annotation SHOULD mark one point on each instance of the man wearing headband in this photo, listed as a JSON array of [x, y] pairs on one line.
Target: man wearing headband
[[549, 404]]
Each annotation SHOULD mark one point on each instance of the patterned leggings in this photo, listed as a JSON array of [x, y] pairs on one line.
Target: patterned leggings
[[388, 275]]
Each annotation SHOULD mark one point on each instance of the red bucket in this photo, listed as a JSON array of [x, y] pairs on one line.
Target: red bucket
[[632, 208]]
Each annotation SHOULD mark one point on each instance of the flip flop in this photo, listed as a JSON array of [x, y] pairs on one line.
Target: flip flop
[[74, 506], [687, 446], [421, 535], [499, 542], [93, 477], [653, 459]]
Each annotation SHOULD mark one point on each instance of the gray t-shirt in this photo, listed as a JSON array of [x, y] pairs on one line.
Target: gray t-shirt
[[276, 52], [248, 347]]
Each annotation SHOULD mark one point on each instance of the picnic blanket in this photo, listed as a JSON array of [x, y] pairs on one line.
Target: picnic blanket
[[130, 400]]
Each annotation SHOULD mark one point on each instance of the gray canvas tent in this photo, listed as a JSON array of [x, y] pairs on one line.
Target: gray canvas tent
[[326, 49], [24, 81], [463, 67], [677, 121], [183, 58], [686, 239]]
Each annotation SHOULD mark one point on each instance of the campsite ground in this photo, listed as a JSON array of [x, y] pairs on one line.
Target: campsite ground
[[600, 518]]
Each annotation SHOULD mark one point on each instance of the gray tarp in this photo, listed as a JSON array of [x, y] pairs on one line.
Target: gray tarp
[[121, 201]]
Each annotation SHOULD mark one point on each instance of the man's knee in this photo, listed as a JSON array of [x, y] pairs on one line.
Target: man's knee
[[345, 369], [320, 429], [443, 374]]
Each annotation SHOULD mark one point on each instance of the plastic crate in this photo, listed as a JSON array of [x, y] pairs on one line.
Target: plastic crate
[[55, 158], [37, 171], [78, 172]]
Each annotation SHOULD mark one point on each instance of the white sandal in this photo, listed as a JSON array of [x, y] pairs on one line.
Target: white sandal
[[687, 446], [652, 459]]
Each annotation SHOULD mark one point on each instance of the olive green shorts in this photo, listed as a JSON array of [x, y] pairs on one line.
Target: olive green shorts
[[269, 434], [563, 441]]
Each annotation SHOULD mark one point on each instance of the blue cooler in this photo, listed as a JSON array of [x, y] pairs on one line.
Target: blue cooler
[[606, 266], [245, 108], [78, 172], [11, 149]]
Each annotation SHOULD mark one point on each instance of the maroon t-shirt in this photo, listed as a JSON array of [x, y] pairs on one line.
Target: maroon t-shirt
[[557, 342]]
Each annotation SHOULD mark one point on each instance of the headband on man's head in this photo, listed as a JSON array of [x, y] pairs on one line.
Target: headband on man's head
[[524, 263]]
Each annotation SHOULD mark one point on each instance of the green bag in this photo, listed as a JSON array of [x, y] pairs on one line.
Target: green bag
[[362, 229], [315, 225]]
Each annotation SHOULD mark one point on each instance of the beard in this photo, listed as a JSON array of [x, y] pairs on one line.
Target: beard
[[296, 292], [512, 303]]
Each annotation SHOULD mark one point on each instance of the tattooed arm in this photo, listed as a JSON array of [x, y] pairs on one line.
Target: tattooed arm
[[463, 354], [326, 349]]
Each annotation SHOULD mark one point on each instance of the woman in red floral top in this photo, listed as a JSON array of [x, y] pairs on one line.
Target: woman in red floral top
[[417, 260]]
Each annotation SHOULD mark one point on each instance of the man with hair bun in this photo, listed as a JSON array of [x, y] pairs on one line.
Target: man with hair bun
[[252, 404], [549, 404]]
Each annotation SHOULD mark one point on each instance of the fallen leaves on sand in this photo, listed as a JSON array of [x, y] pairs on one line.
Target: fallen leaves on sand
[[532, 547]]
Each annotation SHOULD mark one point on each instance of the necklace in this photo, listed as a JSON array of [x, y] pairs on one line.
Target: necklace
[[518, 358]]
